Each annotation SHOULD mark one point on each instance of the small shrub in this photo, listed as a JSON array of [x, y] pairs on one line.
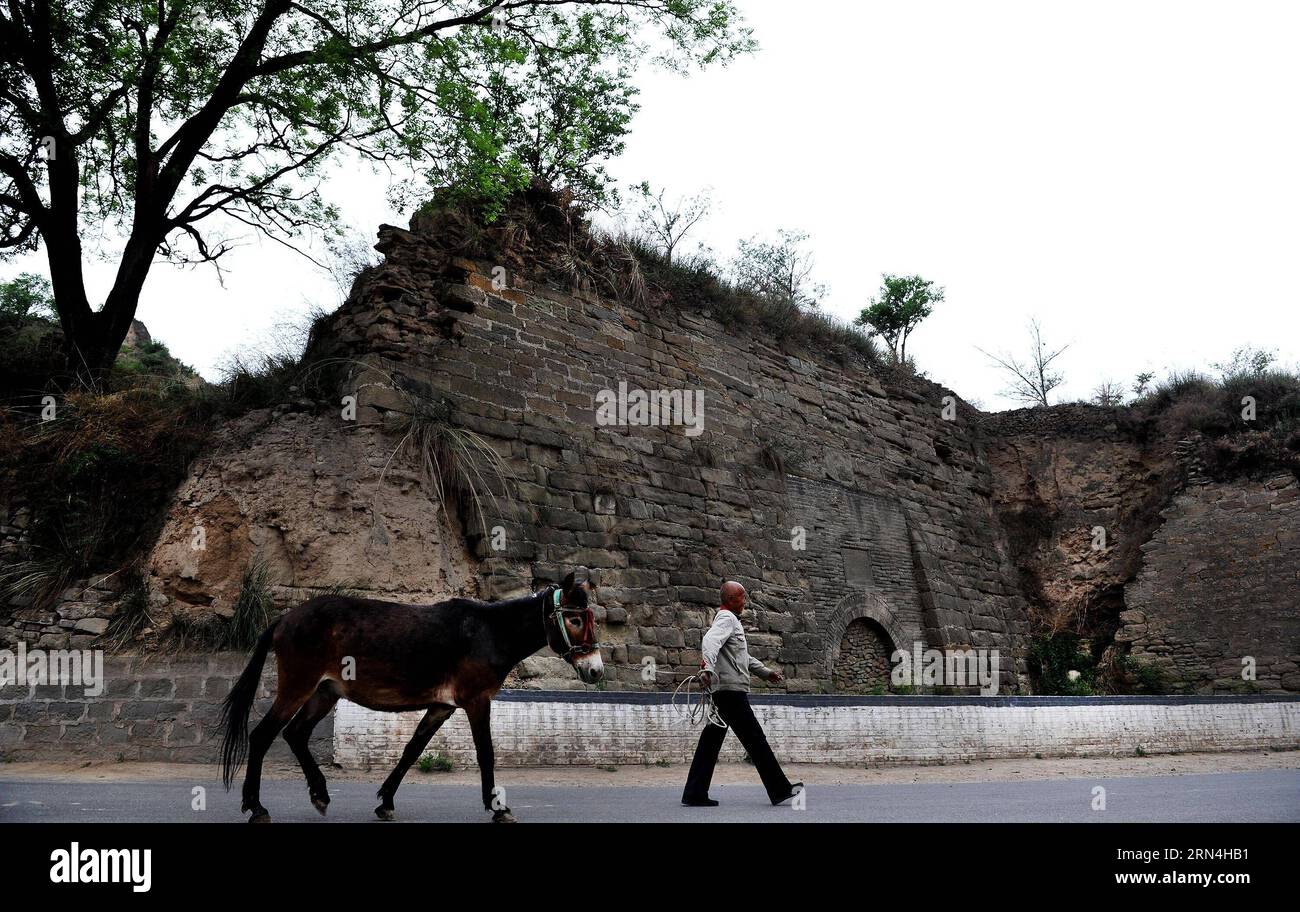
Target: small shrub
[[435, 763], [38, 581], [260, 382], [1189, 401], [1053, 657], [1150, 678], [150, 359], [1177, 385]]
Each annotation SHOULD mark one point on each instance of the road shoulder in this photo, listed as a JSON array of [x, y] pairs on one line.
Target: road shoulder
[[727, 773]]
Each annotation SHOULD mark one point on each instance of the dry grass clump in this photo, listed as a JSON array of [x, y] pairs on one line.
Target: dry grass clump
[[1234, 445], [96, 477]]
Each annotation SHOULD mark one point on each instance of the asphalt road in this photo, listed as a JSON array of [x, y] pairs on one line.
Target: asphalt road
[[1260, 796]]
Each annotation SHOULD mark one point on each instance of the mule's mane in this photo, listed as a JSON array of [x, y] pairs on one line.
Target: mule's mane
[[519, 601]]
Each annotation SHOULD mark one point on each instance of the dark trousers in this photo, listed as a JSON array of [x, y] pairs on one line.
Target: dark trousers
[[733, 706]]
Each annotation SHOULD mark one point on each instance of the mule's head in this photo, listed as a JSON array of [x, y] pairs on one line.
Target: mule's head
[[571, 628]]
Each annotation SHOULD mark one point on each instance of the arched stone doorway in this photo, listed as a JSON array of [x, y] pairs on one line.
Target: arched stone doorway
[[862, 662], [864, 625]]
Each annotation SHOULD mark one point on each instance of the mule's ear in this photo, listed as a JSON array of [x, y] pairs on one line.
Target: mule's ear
[[568, 582]]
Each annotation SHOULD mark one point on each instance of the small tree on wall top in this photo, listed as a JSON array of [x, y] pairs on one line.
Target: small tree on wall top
[[1032, 378], [902, 303], [667, 222], [779, 270]]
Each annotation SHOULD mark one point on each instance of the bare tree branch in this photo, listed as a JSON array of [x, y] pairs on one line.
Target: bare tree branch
[[1032, 380]]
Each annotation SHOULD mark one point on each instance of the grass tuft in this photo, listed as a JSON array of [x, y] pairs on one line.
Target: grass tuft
[[253, 609], [460, 466], [132, 616]]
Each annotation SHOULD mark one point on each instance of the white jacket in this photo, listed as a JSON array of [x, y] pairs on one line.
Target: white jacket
[[726, 654]]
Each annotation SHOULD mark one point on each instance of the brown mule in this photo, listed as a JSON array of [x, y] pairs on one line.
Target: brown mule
[[396, 658]]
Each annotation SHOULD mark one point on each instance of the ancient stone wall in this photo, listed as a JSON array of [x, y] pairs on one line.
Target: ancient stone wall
[[1219, 590], [830, 494], [75, 619], [72, 618]]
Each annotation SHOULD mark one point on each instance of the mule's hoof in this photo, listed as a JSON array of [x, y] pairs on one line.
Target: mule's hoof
[[503, 817], [263, 817], [384, 813], [320, 803]]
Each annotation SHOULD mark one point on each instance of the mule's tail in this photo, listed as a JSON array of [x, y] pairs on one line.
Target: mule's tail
[[237, 706]]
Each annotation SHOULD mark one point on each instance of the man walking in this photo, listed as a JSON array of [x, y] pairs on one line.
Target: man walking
[[727, 667]]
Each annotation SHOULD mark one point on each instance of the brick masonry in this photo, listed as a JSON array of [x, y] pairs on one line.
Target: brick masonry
[[531, 728]]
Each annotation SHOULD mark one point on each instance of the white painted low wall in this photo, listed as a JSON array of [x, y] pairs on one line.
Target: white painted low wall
[[533, 728]]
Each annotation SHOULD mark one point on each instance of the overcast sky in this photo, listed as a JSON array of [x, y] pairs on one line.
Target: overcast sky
[[1124, 171]]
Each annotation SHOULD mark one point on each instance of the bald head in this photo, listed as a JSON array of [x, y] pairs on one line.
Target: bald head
[[733, 597]]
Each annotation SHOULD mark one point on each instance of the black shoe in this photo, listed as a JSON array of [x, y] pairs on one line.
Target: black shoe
[[698, 802], [795, 789]]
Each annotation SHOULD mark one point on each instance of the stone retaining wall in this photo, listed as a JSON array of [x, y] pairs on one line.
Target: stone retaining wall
[[548, 729], [1214, 607], [158, 708], [74, 620]]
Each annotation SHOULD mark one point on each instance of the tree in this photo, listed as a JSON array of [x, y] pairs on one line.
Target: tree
[[1246, 362], [1108, 393], [1032, 380], [779, 270], [902, 303], [668, 223], [162, 124], [1142, 383], [26, 295]]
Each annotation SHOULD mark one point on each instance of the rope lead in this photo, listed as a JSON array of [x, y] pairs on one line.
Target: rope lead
[[695, 704]]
